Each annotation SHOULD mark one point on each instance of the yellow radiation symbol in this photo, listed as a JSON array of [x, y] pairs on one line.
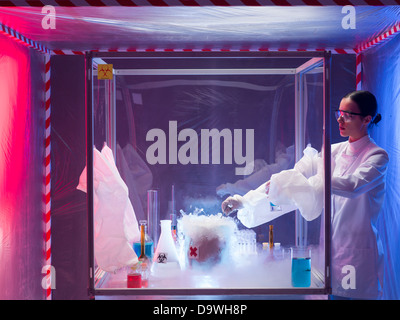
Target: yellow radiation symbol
[[105, 71]]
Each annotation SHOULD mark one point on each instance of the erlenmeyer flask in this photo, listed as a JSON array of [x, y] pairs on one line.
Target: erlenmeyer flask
[[165, 260]]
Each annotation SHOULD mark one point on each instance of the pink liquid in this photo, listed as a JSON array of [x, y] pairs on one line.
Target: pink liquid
[[145, 283], [134, 280]]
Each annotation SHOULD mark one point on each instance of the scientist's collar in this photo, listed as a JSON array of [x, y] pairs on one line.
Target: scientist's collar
[[356, 146]]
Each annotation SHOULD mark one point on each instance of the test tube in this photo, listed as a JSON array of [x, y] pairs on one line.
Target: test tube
[[173, 212], [153, 215], [271, 236]]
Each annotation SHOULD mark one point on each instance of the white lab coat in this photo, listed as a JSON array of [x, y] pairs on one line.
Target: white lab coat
[[358, 185]]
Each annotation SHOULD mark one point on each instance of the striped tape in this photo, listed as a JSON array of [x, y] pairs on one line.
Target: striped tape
[[195, 3], [383, 37], [47, 180], [67, 52], [260, 49], [377, 41], [22, 39]]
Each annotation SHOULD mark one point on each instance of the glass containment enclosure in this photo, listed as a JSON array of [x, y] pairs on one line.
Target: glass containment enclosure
[[170, 137]]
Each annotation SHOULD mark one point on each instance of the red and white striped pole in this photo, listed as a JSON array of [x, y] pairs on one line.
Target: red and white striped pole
[[358, 71], [47, 187]]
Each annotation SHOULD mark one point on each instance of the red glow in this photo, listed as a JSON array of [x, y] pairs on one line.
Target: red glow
[[14, 118]]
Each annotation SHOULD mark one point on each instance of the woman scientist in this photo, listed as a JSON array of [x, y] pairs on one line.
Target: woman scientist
[[358, 186]]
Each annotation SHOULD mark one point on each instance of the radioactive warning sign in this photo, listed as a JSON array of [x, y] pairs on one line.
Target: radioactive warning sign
[[105, 71]]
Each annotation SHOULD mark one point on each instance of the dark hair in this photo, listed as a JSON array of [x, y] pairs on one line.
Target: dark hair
[[367, 104]]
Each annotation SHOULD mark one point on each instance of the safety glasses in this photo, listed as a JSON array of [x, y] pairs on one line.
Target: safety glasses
[[346, 115]]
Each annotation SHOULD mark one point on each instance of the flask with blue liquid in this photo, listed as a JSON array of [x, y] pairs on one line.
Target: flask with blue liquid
[[148, 242]]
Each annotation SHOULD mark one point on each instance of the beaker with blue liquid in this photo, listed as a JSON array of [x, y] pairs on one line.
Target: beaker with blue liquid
[[301, 266], [148, 243]]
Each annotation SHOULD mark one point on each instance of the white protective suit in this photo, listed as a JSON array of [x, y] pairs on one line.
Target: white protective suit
[[299, 188], [358, 185], [115, 223]]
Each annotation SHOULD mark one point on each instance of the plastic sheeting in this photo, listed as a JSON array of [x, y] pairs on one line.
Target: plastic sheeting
[[95, 28], [381, 75], [21, 171], [306, 27]]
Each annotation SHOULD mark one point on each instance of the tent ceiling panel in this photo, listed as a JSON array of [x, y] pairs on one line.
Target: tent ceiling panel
[[297, 27]]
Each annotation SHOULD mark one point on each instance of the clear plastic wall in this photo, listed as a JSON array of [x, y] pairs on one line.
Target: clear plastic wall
[[21, 171], [197, 129], [383, 79]]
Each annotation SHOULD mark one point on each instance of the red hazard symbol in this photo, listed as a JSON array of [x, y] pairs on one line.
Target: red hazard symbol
[[193, 252]]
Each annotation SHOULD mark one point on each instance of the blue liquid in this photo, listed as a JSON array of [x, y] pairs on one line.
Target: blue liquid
[[301, 272], [148, 249]]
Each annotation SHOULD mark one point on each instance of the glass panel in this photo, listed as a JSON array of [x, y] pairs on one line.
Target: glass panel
[[185, 141], [313, 107]]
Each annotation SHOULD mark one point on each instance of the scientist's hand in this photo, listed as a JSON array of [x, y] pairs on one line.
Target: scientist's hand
[[267, 187], [231, 204]]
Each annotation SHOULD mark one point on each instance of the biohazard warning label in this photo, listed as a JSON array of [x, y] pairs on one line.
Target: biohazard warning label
[[162, 257], [105, 71]]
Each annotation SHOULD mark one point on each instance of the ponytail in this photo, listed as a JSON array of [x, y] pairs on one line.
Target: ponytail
[[377, 119]]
